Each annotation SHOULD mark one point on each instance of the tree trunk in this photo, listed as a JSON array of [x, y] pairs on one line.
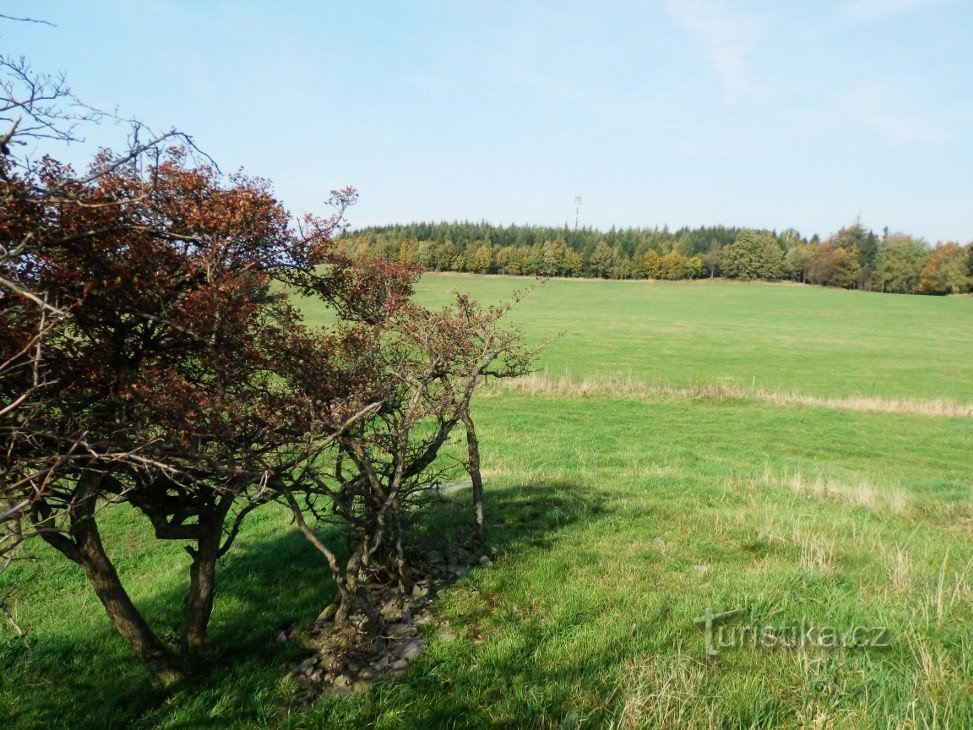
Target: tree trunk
[[127, 619], [473, 447], [87, 550], [202, 589]]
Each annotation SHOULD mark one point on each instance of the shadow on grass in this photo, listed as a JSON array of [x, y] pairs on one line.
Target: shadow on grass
[[485, 683], [272, 578]]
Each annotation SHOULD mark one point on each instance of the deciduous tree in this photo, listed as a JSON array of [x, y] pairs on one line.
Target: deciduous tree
[[753, 255], [946, 271]]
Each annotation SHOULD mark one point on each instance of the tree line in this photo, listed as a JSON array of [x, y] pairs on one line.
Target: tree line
[[853, 258]]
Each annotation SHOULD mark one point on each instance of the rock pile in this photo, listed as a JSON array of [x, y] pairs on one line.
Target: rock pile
[[341, 666]]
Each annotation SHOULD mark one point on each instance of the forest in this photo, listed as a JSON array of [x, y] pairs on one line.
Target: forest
[[853, 258]]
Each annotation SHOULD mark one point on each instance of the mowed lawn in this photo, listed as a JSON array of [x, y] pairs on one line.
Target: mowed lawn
[[619, 521]]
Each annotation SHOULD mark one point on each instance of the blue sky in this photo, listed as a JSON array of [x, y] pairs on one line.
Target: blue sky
[[666, 112]]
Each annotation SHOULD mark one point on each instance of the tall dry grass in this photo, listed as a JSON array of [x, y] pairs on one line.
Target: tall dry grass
[[631, 387]]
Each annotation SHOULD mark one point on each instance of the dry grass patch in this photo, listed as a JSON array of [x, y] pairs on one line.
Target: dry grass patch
[[859, 492], [668, 693], [632, 387]]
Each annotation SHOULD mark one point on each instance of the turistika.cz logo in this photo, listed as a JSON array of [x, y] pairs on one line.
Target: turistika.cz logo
[[719, 633]]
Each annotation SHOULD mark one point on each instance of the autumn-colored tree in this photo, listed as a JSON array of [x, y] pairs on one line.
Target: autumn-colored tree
[[508, 260], [830, 265], [149, 357], [946, 271], [178, 354], [575, 264], [651, 264], [408, 253], [481, 260], [674, 266]]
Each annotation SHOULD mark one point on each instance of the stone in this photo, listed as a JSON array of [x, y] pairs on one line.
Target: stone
[[398, 631], [307, 664], [447, 636], [486, 562], [340, 691], [411, 649], [391, 611], [381, 662], [398, 665]]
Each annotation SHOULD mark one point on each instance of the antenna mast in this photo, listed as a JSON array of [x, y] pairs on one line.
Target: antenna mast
[[577, 212]]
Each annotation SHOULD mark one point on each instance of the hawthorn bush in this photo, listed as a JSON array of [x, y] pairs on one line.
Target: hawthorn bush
[[150, 356]]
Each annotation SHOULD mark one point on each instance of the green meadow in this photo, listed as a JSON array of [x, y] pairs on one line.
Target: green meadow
[[647, 473]]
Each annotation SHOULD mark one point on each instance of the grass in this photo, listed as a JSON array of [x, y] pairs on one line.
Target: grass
[[789, 337], [621, 515]]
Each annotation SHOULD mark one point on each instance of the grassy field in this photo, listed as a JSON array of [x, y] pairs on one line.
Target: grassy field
[[623, 511]]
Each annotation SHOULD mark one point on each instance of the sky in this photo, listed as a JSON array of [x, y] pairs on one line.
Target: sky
[[804, 114]]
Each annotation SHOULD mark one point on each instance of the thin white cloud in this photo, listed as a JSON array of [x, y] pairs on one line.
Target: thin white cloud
[[871, 11], [726, 32], [872, 109]]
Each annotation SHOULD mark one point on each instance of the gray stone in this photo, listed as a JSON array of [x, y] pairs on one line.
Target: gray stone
[[447, 636], [398, 631], [340, 691], [398, 665], [411, 649], [486, 562]]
